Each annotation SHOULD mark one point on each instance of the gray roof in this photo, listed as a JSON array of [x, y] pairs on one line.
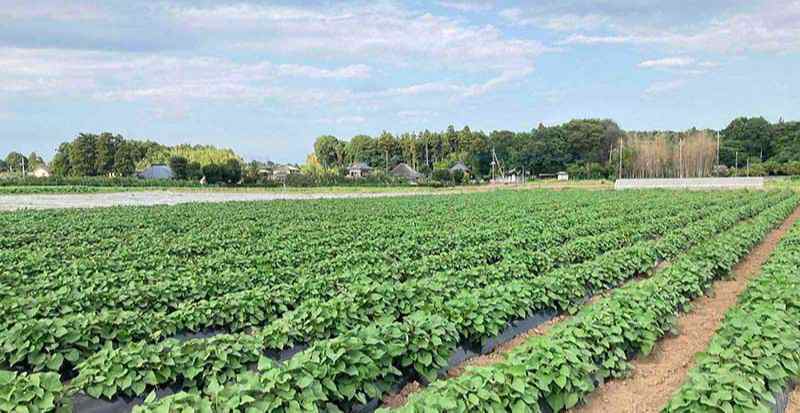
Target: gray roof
[[459, 167], [285, 169], [405, 171], [359, 166], [157, 172]]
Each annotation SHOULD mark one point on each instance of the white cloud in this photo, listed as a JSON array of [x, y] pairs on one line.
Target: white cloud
[[381, 31], [451, 89], [668, 62], [563, 22], [664, 87], [471, 6], [347, 72], [344, 120], [768, 27], [416, 114], [59, 11], [121, 76]]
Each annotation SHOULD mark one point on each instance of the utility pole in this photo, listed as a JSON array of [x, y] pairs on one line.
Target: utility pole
[[737, 163], [680, 157], [23, 167], [717, 149], [619, 174]]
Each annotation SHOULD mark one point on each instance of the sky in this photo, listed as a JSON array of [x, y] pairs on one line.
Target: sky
[[267, 77]]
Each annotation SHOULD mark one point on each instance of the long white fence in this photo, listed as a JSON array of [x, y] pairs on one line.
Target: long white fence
[[691, 183]]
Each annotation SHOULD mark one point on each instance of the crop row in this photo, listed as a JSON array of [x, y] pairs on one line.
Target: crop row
[[45, 343], [517, 383], [92, 289], [472, 313], [65, 301], [755, 354], [48, 343], [201, 237], [557, 370]]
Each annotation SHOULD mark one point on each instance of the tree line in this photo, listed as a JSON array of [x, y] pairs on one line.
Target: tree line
[[583, 143], [588, 148], [114, 156]]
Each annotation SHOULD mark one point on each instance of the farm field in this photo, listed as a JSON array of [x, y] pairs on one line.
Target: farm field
[[336, 305]]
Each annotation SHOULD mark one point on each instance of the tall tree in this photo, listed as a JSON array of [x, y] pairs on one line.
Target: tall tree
[[60, 164], [361, 148], [82, 155], [106, 147], [387, 144], [749, 137], [179, 166], [326, 148], [125, 159], [16, 161], [34, 161]]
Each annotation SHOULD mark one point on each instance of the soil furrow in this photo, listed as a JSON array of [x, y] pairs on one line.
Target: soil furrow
[[498, 354], [655, 378], [794, 401]]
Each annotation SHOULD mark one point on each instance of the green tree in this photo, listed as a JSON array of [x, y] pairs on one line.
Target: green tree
[[125, 159], [749, 137], [326, 148], [387, 144], [232, 171], [82, 155], [590, 140], [106, 146], [179, 166], [194, 171], [60, 164], [361, 148], [34, 161], [15, 162]]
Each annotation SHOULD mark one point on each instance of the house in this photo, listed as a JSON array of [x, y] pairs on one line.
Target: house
[[281, 172], [402, 170], [41, 172], [460, 167], [157, 171], [563, 176], [358, 170]]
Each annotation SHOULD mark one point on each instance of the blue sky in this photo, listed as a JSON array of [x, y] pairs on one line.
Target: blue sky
[[267, 77]]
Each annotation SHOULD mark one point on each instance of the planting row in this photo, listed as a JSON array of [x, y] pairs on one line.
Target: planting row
[[755, 354], [277, 387], [45, 343], [548, 255], [75, 289], [555, 371]]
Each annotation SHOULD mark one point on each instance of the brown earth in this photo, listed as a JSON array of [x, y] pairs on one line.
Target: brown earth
[[794, 401], [655, 378]]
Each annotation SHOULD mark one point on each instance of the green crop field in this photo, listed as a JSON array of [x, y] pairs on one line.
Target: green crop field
[[331, 305]]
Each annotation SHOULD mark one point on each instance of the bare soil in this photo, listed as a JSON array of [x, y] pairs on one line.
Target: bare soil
[[794, 401], [655, 378]]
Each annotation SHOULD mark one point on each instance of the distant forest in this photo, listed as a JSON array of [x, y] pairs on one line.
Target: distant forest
[[588, 148]]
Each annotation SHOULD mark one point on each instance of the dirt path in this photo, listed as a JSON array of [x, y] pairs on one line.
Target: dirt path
[[655, 378], [794, 401]]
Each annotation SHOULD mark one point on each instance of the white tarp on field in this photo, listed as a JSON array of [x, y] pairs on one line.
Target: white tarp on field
[[691, 183]]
